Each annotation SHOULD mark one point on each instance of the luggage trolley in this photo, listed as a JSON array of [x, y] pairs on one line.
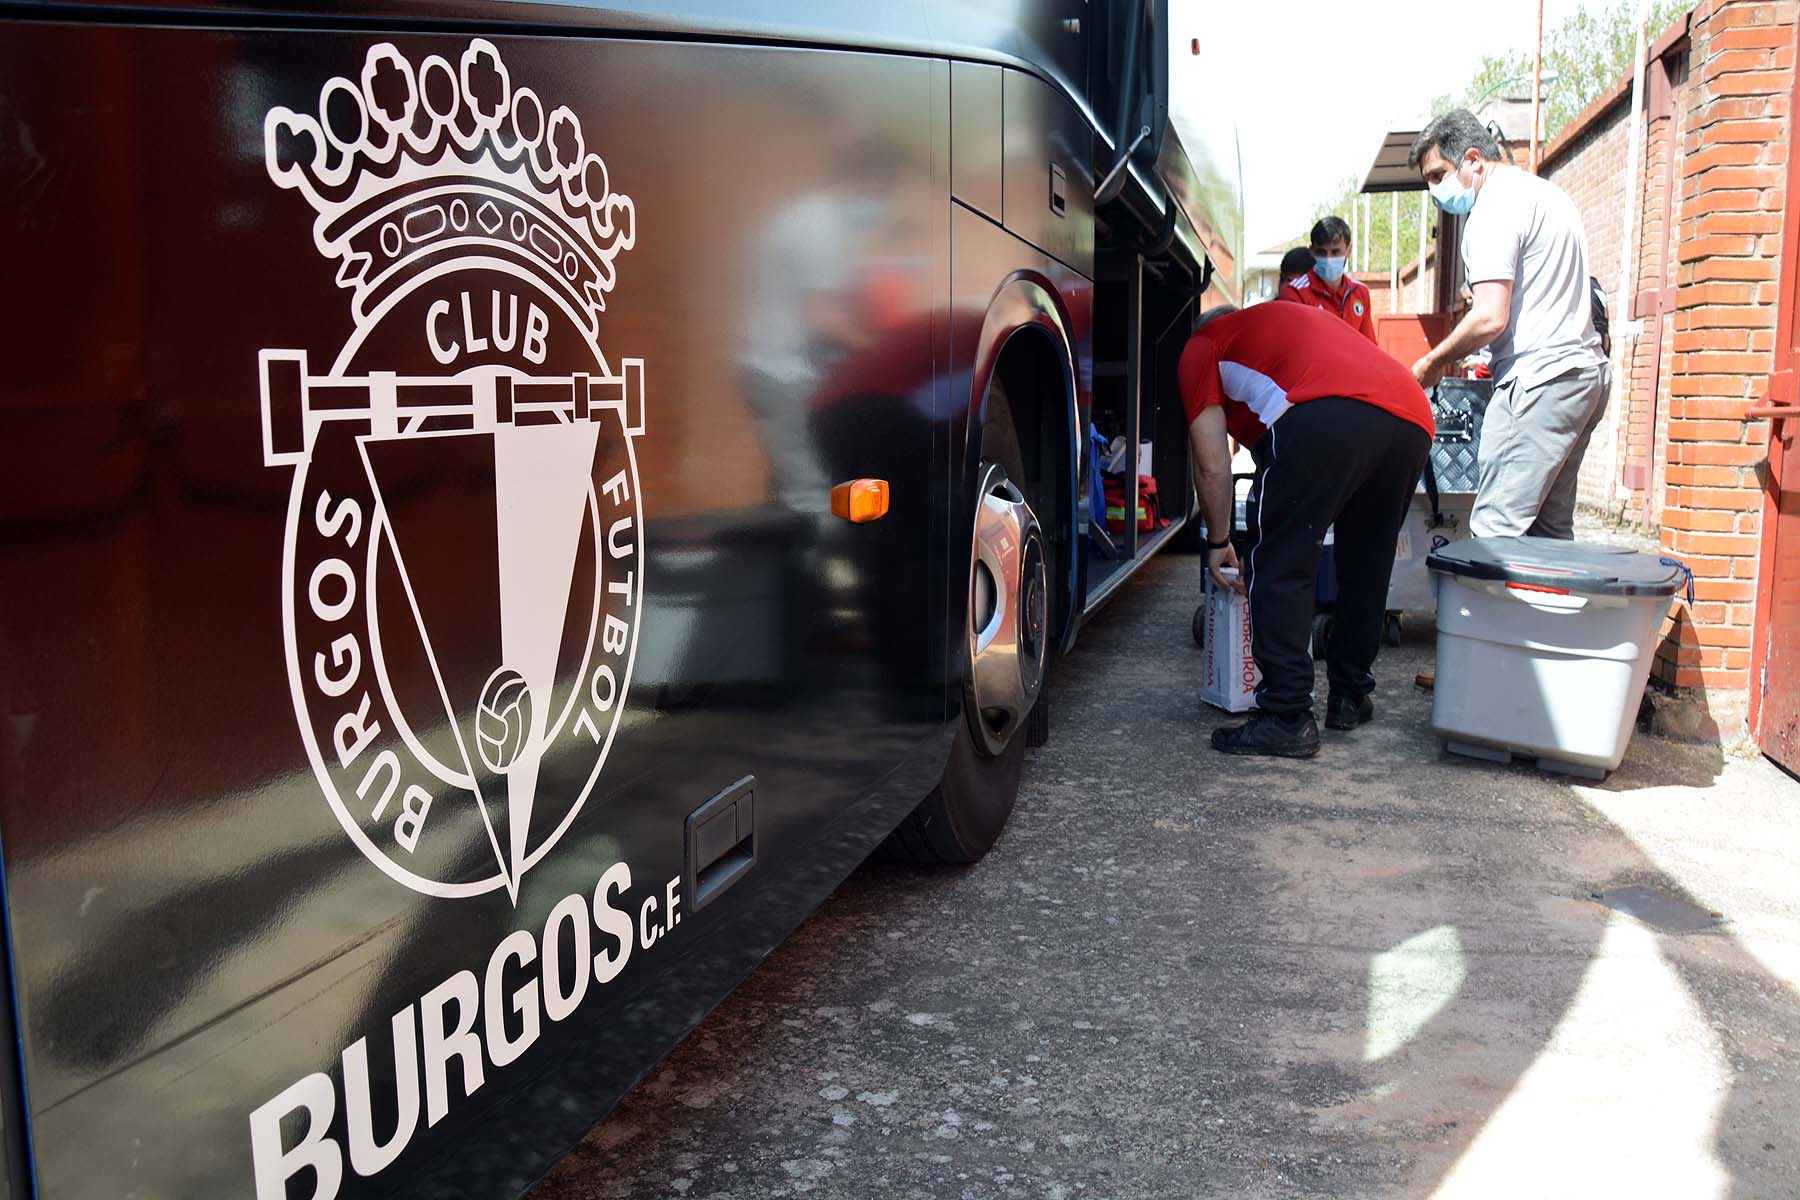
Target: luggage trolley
[[1438, 515]]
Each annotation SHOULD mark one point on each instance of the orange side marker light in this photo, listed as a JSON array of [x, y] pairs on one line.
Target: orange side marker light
[[860, 500]]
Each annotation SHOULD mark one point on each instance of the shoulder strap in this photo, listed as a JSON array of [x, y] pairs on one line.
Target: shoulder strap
[[1597, 310]]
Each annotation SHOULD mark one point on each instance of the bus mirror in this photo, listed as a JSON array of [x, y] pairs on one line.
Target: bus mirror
[[1143, 91]]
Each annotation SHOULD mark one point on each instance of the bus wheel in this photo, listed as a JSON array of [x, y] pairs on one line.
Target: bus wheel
[[1007, 639]]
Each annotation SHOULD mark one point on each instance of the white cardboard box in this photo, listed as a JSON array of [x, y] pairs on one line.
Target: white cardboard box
[[1229, 672]]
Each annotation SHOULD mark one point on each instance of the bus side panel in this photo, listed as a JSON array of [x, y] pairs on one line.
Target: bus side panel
[[1049, 180], [419, 511]]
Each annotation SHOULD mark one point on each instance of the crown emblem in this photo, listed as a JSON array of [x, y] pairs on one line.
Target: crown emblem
[[406, 163]]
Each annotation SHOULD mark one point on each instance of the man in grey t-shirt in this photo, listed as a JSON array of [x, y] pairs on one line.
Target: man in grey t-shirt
[[1526, 262]]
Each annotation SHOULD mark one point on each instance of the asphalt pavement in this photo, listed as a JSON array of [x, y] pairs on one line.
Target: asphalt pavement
[[1380, 973]]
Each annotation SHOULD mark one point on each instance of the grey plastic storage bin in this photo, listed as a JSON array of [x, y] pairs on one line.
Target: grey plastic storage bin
[[1544, 648]]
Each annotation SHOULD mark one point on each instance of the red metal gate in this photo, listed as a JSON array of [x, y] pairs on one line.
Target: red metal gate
[[1775, 678]]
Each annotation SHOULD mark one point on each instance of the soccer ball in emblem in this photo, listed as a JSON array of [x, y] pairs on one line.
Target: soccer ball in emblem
[[503, 722]]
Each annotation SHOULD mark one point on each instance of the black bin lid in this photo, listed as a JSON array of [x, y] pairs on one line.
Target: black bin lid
[[1584, 568]]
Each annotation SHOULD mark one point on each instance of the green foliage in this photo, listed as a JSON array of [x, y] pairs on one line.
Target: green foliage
[[1583, 57], [1590, 51]]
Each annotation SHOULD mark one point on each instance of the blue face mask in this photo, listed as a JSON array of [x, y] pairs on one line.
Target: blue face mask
[[1330, 268], [1453, 195]]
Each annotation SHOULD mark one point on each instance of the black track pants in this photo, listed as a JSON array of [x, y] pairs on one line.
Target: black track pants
[[1327, 462]]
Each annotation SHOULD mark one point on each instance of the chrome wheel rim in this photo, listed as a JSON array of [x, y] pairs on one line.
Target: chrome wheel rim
[[1008, 613]]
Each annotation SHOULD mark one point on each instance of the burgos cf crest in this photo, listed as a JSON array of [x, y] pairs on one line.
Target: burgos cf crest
[[463, 569]]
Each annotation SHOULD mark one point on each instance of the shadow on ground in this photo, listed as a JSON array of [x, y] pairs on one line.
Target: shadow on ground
[[1380, 973]]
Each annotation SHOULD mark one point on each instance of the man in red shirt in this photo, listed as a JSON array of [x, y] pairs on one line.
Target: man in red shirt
[[1328, 285], [1339, 431]]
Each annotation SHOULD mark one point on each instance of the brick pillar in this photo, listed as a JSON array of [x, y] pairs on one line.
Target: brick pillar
[[1729, 214], [1643, 440]]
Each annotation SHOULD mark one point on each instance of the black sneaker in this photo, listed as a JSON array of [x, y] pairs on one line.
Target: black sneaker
[[1347, 712], [1268, 734]]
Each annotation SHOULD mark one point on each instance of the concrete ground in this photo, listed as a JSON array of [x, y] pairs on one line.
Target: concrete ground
[[1382, 973]]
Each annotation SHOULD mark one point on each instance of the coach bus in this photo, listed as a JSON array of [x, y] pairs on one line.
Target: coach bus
[[506, 505]]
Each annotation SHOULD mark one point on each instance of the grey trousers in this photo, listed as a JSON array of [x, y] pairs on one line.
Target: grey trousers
[[1532, 443]]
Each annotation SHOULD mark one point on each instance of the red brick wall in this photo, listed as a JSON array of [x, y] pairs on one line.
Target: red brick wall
[[1729, 212], [1676, 453]]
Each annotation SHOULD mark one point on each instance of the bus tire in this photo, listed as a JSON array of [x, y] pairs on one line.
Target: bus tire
[[962, 817], [1037, 725]]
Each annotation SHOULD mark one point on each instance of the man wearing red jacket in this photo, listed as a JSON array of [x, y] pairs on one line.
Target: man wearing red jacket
[[1328, 285], [1339, 431]]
